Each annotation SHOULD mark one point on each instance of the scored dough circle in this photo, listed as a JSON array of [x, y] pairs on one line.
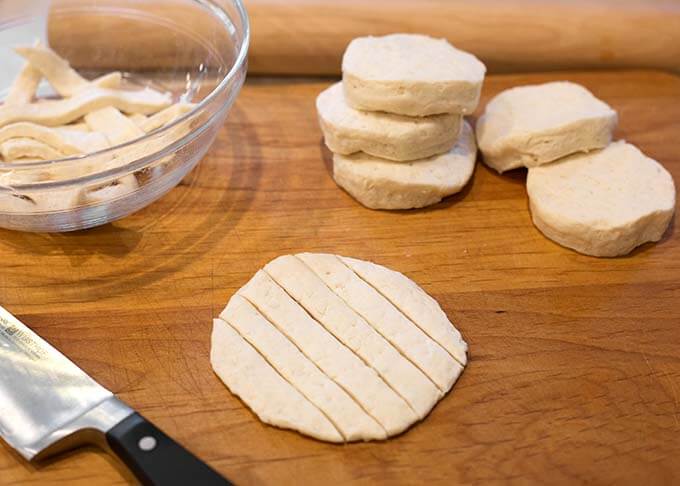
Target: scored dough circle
[[336, 348], [604, 203]]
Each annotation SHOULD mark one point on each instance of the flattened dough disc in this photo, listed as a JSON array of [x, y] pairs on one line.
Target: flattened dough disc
[[336, 347], [604, 203]]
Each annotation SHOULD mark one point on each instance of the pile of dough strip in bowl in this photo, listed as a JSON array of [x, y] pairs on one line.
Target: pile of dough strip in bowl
[[395, 123], [83, 117], [336, 348], [598, 197]]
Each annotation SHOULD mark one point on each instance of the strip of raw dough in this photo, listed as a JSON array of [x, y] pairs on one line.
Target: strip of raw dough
[[332, 357], [117, 127], [63, 78], [271, 397], [22, 147], [60, 112], [114, 190], [346, 325], [23, 88], [409, 339], [351, 421], [138, 118], [67, 142], [78, 126], [166, 116], [410, 299], [40, 202]]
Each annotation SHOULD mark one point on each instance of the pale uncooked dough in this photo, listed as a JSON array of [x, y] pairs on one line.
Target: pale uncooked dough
[[248, 374], [411, 74], [393, 137], [338, 340], [383, 184], [604, 203], [60, 112], [68, 141], [23, 87], [532, 125], [63, 78], [117, 127]]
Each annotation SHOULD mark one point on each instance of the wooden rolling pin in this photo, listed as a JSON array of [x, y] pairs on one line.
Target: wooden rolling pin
[[308, 37]]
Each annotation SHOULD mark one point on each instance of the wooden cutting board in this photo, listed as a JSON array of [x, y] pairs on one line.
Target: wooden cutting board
[[574, 371]]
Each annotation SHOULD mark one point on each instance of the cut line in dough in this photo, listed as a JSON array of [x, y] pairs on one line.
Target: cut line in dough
[[414, 302], [416, 346], [352, 422], [336, 360], [247, 371], [326, 352], [354, 332]]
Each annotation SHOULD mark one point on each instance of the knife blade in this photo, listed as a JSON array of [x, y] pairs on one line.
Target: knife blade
[[48, 404]]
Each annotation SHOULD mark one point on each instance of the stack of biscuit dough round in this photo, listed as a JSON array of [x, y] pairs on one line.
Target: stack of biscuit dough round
[[395, 123], [586, 193]]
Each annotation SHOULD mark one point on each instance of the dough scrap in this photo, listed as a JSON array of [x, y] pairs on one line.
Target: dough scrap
[[63, 78], [307, 322], [411, 74], [248, 373], [536, 124], [22, 147], [61, 112], [117, 127], [393, 137], [66, 142], [383, 184], [23, 87], [165, 116], [604, 203]]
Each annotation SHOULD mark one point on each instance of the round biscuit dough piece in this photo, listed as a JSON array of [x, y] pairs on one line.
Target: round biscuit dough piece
[[382, 184], [604, 203], [532, 125], [393, 137], [336, 348], [411, 74]]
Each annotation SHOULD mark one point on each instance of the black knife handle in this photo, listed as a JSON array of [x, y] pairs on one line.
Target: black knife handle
[[155, 459]]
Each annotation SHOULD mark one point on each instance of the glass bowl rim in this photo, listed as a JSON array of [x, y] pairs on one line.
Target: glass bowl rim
[[240, 60]]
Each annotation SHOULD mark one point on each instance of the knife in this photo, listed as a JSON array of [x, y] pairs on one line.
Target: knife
[[48, 404]]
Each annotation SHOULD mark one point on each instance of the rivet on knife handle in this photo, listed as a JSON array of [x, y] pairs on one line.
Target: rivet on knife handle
[[155, 459]]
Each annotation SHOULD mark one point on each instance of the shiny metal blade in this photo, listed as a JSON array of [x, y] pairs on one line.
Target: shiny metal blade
[[42, 394]]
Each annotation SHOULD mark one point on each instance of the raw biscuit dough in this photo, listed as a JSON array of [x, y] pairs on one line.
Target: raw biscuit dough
[[60, 112], [333, 337], [532, 125], [63, 78], [66, 141], [393, 137], [604, 203], [382, 184], [411, 74], [22, 147]]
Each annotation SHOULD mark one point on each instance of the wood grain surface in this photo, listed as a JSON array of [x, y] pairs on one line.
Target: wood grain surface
[[309, 36], [574, 373]]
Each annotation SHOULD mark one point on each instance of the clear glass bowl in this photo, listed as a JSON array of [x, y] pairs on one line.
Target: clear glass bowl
[[195, 49]]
